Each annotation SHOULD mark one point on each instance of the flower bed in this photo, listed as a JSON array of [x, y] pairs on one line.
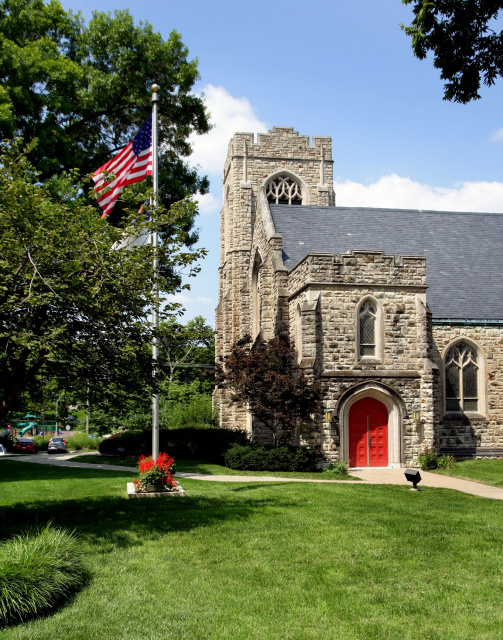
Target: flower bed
[[156, 476]]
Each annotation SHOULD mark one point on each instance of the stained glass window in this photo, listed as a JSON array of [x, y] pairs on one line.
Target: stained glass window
[[367, 328], [461, 378]]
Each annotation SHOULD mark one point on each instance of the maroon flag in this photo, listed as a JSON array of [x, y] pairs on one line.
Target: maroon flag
[[130, 165]]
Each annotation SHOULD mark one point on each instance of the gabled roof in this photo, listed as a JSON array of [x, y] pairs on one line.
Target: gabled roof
[[464, 251]]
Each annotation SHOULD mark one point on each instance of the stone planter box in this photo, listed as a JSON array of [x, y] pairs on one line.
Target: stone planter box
[[131, 493]]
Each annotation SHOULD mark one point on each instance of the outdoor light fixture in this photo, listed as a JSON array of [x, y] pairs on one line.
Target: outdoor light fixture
[[328, 415], [412, 475], [416, 415]]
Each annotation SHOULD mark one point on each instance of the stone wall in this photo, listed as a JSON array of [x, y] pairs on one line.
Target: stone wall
[[483, 429], [328, 290]]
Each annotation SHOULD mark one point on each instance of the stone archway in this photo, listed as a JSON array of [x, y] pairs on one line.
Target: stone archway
[[390, 403]]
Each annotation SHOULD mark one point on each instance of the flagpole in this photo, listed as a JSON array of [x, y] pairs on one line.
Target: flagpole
[[155, 306]]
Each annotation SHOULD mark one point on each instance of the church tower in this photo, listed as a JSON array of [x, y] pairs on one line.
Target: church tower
[[285, 168]]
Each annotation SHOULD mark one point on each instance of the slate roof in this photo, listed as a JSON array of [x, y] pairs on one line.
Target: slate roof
[[464, 251]]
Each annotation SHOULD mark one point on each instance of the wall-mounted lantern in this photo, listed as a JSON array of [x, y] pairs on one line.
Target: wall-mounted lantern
[[328, 415], [416, 415]]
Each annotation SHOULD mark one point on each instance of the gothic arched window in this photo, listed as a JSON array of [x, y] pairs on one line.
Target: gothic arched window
[[367, 318], [461, 378], [283, 189]]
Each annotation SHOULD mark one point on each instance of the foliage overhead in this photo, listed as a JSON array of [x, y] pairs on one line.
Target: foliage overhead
[[73, 303], [185, 346], [466, 47], [83, 91], [267, 378]]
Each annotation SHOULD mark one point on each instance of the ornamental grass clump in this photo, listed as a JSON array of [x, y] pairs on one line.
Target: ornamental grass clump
[[156, 472], [38, 570]]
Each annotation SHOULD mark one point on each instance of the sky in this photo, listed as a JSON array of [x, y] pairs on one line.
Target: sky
[[340, 69]]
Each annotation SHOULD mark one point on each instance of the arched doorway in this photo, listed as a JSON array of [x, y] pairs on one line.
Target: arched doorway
[[368, 433]]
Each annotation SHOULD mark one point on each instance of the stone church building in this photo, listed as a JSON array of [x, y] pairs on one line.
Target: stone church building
[[399, 313]]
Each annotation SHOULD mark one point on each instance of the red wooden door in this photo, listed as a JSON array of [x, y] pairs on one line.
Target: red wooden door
[[368, 434]]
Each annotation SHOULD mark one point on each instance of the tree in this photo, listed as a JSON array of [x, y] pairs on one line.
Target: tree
[[464, 44], [189, 344], [84, 90], [72, 304], [268, 380]]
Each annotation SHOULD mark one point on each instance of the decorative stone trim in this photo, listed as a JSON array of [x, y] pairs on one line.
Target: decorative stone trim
[[375, 373]]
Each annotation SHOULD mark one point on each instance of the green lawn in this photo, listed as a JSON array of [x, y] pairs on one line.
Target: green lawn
[[485, 471], [275, 561], [198, 466]]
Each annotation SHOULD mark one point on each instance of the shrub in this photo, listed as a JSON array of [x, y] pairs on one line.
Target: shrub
[[428, 460], [41, 442], [38, 570], [337, 469], [136, 443], [446, 462], [254, 457], [431, 459], [82, 441], [208, 443]]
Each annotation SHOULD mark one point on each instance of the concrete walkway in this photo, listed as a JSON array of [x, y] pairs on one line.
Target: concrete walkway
[[367, 476]]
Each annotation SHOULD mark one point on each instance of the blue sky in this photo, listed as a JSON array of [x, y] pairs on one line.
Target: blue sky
[[342, 69]]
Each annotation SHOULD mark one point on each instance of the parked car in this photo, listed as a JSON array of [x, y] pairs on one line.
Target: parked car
[[24, 445], [57, 444]]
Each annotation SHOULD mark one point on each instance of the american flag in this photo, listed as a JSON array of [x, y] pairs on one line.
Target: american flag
[[130, 165]]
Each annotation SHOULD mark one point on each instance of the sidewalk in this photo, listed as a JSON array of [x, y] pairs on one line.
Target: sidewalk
[[367, 476]]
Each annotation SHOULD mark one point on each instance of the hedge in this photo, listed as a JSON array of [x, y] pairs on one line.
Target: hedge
[[254, 457], [208, 444]]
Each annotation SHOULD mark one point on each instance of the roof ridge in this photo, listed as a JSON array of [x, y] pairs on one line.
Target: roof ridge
[[340, 208]]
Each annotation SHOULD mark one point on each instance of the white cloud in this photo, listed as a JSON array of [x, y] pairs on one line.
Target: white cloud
[[205, 300], [228, 115], [393, 191], [497, 135], [208, 203]]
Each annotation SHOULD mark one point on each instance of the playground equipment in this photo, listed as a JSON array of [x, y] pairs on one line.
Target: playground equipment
[[31, 424]]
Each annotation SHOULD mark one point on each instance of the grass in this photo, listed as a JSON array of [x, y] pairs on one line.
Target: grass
[[485, 471], [265, 561], [199, 466]]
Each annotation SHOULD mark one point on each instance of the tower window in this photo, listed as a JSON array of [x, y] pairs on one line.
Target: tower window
[[284, 189], [461, 378]]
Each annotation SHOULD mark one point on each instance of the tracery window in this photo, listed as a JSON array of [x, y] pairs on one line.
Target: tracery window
[[461, 378], [284, 189], [367, 329]]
